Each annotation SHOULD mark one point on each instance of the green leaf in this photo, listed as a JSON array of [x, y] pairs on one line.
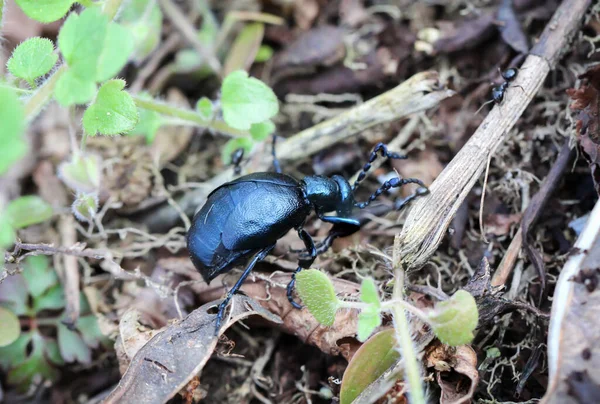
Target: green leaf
[[265, 52], [81, 41], [244, 49], [38, 275], [72, 89], [148, 124], [232, 145], [72, 347], [454, 320], [15, 353], [144, 25], [28, 210], [53, 299], [209, 30], [204, 106], [369, 293], [45, 10], [368, 320], [7, 233], [317, 293], [118, 46], [369, 362], [85, 206], [12, 126], [11, 328], [113, 112], [36, 364], [82, 174], [32, 59], [261, 131], [90, 331], [246, 100]]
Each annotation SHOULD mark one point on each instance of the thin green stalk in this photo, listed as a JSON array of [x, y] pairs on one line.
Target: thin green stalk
[[411, 365], [38, 100], [15, 89], [186, 115]]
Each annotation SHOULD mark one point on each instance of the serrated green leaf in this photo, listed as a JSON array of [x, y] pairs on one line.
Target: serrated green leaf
[[244, 49], [454, 320], [82, 174], [369, 362], [52, 299], [114, 111], [318, 294], [144, 24], [204, 106], [10, 329], [265, 52], [12, 127], [261, 131], [53, 353], [38, 275], [369, 293], [232, 145], [246, 100], [28, 210], [81, 41], [45, 10], [72, 347], [32, 59], [118, 46], [368, 320]]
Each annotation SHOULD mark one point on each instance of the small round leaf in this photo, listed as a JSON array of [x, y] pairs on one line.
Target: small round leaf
[[32, 59], [454, 320], [82, 173], [85, 207], [46, 10], [318, 294], [11, 328], [246, 100], [368, 292], [204, 106]]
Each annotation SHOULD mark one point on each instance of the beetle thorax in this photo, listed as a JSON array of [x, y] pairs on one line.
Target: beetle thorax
[[329, 194]]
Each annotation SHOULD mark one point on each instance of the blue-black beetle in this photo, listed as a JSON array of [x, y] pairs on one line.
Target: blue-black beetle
[[246, 217]]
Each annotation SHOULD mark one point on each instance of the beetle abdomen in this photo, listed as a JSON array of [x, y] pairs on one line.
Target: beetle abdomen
[[243, 216]]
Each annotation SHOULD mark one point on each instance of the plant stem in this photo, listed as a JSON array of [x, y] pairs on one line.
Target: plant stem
[[411, 365], [391, 304], [15, 89], [111, 7], [187, 115], [345, 304], [38, 100]]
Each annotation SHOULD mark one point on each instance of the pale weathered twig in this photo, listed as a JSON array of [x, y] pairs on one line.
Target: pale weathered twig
[[430, 216]]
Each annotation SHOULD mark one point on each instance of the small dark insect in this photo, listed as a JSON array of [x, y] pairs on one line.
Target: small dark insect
[[236, 160], [499, 91], [245, 218]]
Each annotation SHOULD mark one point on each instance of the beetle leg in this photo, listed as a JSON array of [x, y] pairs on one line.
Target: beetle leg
[[403, 202], [304, 263], [276, 164], [258, 257], [380, 147], [386, 186]]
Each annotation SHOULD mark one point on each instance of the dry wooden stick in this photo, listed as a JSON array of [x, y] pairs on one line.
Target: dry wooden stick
[[430, 216]]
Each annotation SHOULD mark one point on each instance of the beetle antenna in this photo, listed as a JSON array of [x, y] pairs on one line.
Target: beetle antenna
[[386, 186], [483, 105], [380, 147]]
